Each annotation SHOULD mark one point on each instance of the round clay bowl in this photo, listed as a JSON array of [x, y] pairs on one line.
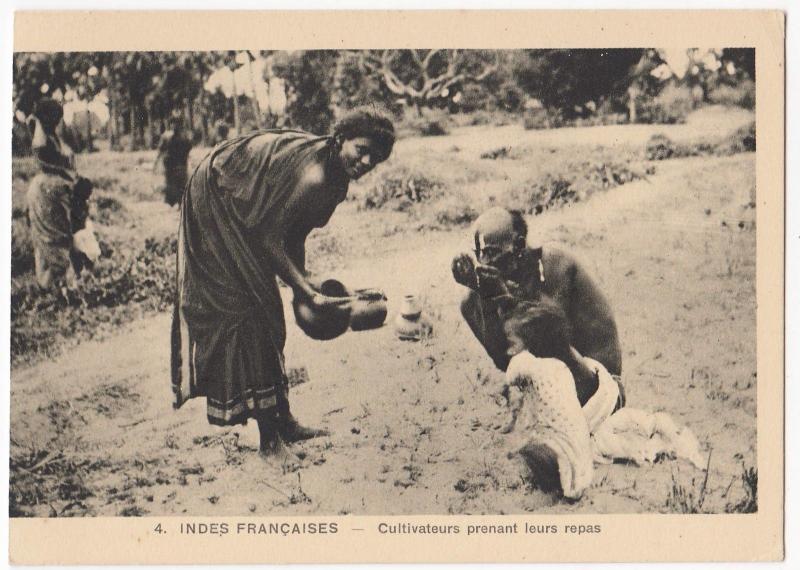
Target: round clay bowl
[[323, 324], [369, 310]]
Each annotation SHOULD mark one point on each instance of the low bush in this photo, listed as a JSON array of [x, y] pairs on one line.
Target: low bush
[[121, 283], [21, 248], [494, 154], [743, 139], [398, 188], [670, 106], [454, 211], [542, 118], [574, 184], [742, 94], [107, 209], [432, 122], [24, 168], [433, 128], [660, 147]]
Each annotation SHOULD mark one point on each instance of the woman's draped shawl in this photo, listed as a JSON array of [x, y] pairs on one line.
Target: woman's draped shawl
[[228, 328]]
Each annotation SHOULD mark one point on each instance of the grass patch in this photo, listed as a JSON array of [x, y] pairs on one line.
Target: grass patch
[[121, 286], [572, 184], [691, 499], [743, 139], [398, 188], [749, 501]]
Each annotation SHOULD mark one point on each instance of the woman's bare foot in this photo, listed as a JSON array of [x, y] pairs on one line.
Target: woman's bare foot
[[271, 443], [291, 430]]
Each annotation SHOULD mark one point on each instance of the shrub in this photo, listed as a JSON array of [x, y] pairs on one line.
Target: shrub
[[543, 119], [105, 182], [21, 248], [473, 98], [454, 211], [501, 152], [433, 122], [510, 98], [743, 139], [670, 106], [398, 189], [140, 280], [107, 208], [479, 118], [433, 128], [749, 502], [742, 94], [659, 147], [24, 168], [557, 190]]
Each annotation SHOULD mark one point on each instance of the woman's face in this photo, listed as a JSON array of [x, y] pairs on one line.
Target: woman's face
[[359, 155]]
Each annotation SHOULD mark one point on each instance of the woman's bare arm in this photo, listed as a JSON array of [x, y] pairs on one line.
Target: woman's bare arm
[[285, 241], [277, 250]]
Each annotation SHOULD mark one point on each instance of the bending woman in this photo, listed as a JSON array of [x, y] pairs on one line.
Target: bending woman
[[245, 216]]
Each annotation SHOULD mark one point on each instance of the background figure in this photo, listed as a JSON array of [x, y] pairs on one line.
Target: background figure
[[173, 150], [57, 199]]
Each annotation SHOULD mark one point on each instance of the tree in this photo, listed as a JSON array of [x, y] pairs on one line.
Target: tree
[[567, 79], [421, 77], [308, 76], [354, 83], [743, 59]]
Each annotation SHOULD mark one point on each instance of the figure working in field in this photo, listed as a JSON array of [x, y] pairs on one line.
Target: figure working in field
[[173, 152], [63, 240], [245, 217]]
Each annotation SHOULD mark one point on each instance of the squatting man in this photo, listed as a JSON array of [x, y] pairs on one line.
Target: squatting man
[[544, 321]]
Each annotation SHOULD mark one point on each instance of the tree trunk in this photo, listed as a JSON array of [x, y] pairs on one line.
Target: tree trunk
[[111, 126], [141, 126], [202, 108], [132, 113], [151, 126], [120, 121], [190, 117], [236, 124], [89, 141], [256, 107], [203, 122], [633, 93]]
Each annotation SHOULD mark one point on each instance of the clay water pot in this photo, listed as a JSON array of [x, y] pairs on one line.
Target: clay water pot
[[411, 324], [323, 324], [369, 309]]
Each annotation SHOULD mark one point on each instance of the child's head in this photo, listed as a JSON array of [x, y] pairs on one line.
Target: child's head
[[541, 328]]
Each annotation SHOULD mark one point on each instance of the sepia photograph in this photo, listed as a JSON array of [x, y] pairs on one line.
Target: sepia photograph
[[385, 282]]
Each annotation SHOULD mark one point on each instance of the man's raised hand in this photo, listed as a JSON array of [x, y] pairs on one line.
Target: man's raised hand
[[464, 271], [490, 282]]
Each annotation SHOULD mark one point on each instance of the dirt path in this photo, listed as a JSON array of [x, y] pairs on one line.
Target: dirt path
[[413, 423]]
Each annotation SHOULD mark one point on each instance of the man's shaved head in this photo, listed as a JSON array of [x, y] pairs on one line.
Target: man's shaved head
[[499, 227]]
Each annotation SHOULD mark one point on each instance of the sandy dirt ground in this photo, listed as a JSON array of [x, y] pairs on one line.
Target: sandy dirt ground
[[414, 425]]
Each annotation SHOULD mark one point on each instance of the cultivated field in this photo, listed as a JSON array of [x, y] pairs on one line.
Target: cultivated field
[[672, 242]]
